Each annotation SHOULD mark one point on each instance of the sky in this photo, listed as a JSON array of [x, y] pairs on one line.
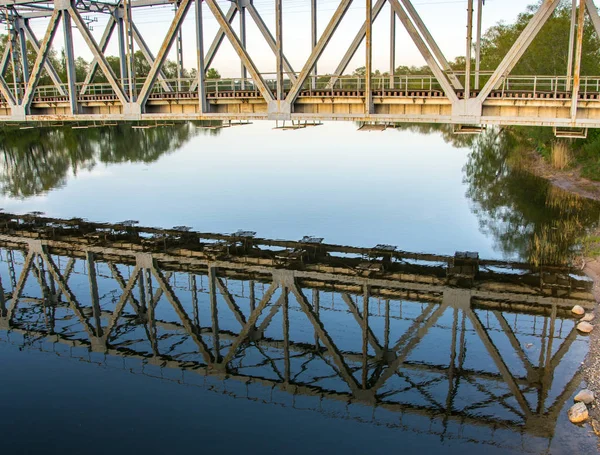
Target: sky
[[446, 20]]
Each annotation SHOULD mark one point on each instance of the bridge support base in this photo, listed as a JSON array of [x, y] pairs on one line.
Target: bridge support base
[[279, 110]]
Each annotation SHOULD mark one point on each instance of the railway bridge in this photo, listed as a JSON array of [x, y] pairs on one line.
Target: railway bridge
[[470, 98], [454, 345]]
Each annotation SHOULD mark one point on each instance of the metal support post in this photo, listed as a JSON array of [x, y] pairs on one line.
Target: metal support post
[[243, 70], [480, 4], [578, 53], [124, 73], [70, 64], [468, 53], [279, 55], [179, 60], [130, 52], [369, 57], [313, 38], [179, 50], [571, 45], [13, 59], [103, 43], [23, 49], [392, 46], [200, 58]]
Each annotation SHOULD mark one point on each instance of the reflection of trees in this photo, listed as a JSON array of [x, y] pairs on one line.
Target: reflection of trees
[[38, 160], [526, 215]]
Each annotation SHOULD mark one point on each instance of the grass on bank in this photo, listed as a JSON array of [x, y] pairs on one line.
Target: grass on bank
[[582, 154]]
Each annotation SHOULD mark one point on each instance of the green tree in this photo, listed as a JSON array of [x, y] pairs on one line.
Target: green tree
[[212, 73], [548, 53]]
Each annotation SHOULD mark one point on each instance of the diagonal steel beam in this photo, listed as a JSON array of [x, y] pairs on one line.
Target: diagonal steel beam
[[239, 49], [103, 44], [192, 329], [98, 54], [519, 47], [332, 26], [358, 39], [218, 40], [71, 299], [425, 52], [250, 323], [268, 36], [264, 30], [161, 57], [593, 12], [18, 290], [216, 44], [41, 59], [498, 361], [435, 49], [4, 60], [327, 341], [162, 78], [354, 310], [48, 64], [6, 93], [135, 276], [237, 312], [122, 284], [412, 337]]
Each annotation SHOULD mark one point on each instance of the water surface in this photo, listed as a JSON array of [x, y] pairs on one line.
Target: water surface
[[152, 390]]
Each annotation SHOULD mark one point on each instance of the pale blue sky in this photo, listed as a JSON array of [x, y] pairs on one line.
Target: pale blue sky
[[446, 20]]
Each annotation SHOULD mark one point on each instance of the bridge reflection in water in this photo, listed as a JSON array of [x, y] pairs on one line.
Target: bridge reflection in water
[[454, 346]]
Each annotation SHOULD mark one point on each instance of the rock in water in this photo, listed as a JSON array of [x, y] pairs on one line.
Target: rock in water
[[585, 327], [578, 413], [585, 396], [588, 317], [578, 310]]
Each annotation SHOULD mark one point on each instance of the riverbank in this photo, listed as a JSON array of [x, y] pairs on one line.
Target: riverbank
[[572, 181], [569, 180]]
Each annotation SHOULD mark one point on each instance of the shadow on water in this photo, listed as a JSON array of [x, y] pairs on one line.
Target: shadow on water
[[526, 215], [38, 160], [376, 336]]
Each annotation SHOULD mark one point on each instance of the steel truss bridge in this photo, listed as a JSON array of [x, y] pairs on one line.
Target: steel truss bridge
[[471, 97], [454, 342]]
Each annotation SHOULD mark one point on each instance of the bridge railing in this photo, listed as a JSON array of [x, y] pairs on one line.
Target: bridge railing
[[556, 86]]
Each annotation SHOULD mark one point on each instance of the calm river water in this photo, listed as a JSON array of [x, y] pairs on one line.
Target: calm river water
[[420, 189]]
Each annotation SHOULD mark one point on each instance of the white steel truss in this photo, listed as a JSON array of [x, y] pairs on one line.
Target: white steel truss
[[446, 96]]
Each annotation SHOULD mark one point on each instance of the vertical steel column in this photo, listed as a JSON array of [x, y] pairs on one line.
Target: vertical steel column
[[365, 333], [243, 70], [130, 53], [179, 50], [286, 333], [468, 53], [214, 311], [480, 4], [279, 40], [313, 38], [392, 46], [578, 52], [122, 51], [70, 64], [13, 59], [200, 58], [23, 49], [571, 45], [369, 57]]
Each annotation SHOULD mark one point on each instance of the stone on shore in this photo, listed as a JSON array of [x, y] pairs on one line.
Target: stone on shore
[[585, 327], [588, 317], [585, 396], [578, 310], [578, 413]]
